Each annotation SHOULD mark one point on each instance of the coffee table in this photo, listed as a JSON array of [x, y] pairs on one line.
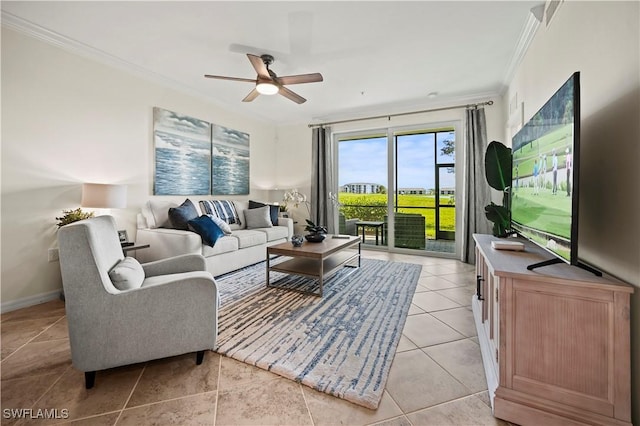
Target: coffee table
[[314, 260]]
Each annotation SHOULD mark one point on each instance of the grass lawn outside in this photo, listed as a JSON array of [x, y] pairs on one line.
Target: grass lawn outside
[[374, 207]]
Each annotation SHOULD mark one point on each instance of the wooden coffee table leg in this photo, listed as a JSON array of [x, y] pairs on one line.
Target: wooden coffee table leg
[[321, 279]]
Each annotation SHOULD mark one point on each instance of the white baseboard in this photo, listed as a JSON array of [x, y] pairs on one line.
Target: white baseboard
[[29, 301]]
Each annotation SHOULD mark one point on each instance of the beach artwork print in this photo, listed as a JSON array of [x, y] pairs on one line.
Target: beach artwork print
[[229, 161], [182, 154]]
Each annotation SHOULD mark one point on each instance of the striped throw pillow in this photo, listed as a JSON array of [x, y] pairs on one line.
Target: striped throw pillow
[[223, 209]]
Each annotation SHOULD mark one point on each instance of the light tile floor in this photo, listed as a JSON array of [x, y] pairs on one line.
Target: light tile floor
[[436, 378]]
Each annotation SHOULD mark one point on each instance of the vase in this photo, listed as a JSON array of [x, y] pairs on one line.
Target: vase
[[297, 240]]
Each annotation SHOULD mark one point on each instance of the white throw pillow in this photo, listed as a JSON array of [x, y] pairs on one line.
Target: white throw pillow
[[258, 218], [221, 224], [127, 274]]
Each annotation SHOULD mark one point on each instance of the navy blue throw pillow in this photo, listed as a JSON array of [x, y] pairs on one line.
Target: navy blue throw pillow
[[207, 229], [179, 216], [273, 210]]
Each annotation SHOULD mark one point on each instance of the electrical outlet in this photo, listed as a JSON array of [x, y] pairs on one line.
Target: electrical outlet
[[53, 255]]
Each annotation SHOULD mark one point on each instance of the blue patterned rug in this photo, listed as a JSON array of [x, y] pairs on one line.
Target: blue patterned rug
[[342, 344]]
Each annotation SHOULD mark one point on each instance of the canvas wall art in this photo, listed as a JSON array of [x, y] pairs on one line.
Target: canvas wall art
[[229, 161], [182, 154], [195, 157]]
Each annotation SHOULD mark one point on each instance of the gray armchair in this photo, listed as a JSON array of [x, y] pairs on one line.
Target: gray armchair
[[120, 312], [347, 226], [409, 230]]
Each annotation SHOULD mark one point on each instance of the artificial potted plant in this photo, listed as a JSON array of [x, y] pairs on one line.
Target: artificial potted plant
[[316, 233], [497, 165], [70, 216]]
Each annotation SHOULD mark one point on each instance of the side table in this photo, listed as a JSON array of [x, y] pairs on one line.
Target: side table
[[127, 248], [378, 226]]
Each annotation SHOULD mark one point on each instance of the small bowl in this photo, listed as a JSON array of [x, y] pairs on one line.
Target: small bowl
[[315, 238]]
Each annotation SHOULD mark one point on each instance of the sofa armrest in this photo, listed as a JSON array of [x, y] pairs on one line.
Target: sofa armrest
[[175, 265], [165, 243], [288, 222]]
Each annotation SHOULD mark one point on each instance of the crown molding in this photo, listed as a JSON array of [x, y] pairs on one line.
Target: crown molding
[[524, 41], [32, 30], [81, 49], [406, 108]]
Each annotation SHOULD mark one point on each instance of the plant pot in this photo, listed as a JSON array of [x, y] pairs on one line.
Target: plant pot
[[315, 238]]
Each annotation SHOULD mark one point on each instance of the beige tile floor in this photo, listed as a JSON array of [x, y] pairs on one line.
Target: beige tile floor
[[436, 377]]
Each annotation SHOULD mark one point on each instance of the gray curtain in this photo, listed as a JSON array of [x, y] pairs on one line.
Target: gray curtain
[[322, 179], [477, 193]]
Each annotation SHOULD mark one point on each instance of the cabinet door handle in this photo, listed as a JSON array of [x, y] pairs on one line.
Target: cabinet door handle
[[479, 280]]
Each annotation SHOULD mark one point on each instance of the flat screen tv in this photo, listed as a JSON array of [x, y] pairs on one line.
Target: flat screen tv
[[544, 187]]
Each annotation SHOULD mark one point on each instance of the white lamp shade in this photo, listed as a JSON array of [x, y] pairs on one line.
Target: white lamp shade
[[104, 196]]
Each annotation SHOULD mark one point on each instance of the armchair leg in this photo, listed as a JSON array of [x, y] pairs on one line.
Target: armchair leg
[[199, 357], [89, 379]]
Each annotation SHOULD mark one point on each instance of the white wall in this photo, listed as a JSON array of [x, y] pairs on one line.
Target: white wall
[[68, 120], [602, 41]]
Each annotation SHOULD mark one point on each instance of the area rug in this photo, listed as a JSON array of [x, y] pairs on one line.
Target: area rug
[[342, 344]]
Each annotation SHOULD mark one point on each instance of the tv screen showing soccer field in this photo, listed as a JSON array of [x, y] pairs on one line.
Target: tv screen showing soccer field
[[543, 190]]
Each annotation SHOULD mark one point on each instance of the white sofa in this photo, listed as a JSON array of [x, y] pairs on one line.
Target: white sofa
[[242, 248]]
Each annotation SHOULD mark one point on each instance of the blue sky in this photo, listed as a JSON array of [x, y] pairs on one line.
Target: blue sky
[[365, 160]]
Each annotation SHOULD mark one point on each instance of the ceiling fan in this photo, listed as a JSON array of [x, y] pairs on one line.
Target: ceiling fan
[[268, 83]]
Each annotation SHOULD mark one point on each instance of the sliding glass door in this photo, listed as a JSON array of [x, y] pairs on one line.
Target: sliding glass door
[[400, 179], [362, 180]]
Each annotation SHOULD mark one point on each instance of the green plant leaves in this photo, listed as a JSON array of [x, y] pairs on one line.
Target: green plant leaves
[[70, 216], [499, 215], [314, 229], [497, 165]]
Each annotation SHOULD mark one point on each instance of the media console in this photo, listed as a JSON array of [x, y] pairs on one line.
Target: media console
[[555, 342]]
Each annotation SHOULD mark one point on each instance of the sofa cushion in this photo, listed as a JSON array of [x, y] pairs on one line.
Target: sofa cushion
[[258, 218], [224, 209], [224, 244], [276, 232], [273, 210], [181, 215], [127, 274], [241, 206], [221, 224], [156, 213], [249, 237], [206, 228]]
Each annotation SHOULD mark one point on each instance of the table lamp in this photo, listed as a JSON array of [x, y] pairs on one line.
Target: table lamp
[[104, 196]]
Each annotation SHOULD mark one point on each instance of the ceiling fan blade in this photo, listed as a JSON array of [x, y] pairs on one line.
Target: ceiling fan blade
[[259, 65], [302, 78], [221, 77], [251, 96], [291, 95]]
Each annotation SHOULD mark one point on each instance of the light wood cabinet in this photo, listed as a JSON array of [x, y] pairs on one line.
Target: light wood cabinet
[[555, 341]]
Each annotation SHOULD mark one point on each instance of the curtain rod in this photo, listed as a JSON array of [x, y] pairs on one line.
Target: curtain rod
[[401, 114]]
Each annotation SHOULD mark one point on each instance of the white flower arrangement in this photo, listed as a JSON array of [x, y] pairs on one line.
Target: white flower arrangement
[[294, 198]]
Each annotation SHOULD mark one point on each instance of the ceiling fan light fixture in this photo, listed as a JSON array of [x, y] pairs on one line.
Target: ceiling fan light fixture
[[267, 88]]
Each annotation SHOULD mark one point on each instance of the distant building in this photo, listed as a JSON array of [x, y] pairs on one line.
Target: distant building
[[361, 188], [412, 191], [447, 191]]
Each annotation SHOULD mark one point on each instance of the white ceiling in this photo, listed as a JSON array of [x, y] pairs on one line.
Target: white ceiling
[[376, 57]]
